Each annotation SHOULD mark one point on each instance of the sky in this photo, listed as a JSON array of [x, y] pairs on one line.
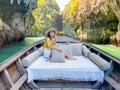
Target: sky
[[62, 3]]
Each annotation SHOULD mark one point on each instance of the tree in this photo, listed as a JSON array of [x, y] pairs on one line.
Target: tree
[[104, 16], [44, 16]]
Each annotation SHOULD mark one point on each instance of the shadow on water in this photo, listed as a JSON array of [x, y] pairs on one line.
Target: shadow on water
[[10, 50]]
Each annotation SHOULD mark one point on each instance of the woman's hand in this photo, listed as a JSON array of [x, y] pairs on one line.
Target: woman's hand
[[59, 49], [54, 40]]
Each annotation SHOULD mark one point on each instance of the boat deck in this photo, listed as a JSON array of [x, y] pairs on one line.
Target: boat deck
[[67, 39], [13, 76]]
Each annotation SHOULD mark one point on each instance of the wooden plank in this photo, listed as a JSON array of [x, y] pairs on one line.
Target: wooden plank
[[15, 76], [19, 83], [64, 84], [66, 89], [45, 89], [112, 82], [24, 87], [78, 89], [20, 67], [2, 86], [1, 82], [11, 68], [97, 85], [7, 79], [13, 72]]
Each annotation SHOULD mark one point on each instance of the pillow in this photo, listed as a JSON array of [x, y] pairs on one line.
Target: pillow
[[69, 49], [27, 61], [77, 49], [103, 64], [57, 56], [85, 51], [62, 46], [40, 50]]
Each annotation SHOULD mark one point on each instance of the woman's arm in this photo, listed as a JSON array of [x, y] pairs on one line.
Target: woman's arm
[[54, 40], [50, 47]]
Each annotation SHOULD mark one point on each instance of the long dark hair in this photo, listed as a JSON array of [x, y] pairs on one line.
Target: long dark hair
[[48, 33]]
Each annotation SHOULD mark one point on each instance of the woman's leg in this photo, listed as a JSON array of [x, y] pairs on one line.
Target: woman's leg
[[47, 54], [70, 57], [47, 59]]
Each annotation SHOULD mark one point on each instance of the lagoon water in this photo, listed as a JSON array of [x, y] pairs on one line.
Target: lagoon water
[[12, 49]]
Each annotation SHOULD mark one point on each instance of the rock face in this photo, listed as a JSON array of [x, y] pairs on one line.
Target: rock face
[[118, 32], [12, 20], [8, 34]]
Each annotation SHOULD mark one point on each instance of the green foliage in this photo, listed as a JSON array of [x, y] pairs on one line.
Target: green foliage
[[68, 30], [44, 16], [99, 36], [70, 14], [105, 25], [104, 20]]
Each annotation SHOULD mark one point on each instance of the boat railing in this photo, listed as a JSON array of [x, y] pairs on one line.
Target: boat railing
[[115, 64], [12, 73], [102, 53]]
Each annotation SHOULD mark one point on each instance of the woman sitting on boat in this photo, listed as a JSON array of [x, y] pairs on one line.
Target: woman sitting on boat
[[50, 40]]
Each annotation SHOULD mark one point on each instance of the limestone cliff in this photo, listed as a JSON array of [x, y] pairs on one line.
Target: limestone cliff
[[12, 19]]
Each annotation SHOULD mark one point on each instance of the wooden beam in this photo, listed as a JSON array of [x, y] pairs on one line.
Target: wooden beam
[[7, 79], [66, 89], [78, 89], [42, 84], [20, 67], [112, 82], [33, 85], [97, 85], [19, 83]]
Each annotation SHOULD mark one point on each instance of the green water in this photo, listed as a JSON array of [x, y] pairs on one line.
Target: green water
[[10, 50]]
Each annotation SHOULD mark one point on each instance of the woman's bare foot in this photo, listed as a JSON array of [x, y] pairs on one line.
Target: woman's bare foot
[[72, 58], [47, 59]]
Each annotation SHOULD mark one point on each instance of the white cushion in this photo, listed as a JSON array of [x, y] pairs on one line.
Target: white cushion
[[85, 51], [72, 49], [69, 49], [27, 61], [57, 56], [62, 46], [77, 49], [103, 64]]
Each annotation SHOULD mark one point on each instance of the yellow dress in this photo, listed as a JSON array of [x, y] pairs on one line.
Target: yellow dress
[[50, 43], [47, 51]]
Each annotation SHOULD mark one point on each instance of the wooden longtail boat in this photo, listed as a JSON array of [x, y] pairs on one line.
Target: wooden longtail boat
[[13, 75]]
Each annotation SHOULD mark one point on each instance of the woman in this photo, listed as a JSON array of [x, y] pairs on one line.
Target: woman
[[50, 40]]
